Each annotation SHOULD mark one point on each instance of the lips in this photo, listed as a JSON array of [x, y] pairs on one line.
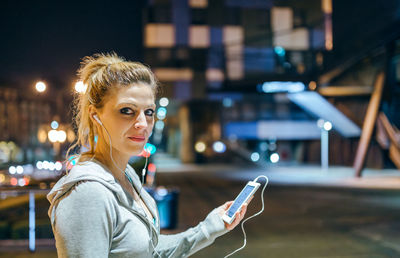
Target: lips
[[137, 138]]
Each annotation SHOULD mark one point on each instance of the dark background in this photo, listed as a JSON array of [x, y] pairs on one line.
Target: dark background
[[47, 39]]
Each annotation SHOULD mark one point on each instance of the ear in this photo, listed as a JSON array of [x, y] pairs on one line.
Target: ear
[[94, 115]]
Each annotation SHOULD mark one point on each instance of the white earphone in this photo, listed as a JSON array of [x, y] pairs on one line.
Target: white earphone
[[97, 119]]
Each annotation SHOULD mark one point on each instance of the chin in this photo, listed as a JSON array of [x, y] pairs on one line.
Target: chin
[[134, 148], [134, 151]]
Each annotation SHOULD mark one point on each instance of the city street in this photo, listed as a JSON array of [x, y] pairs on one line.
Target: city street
[[298, 221], [201, 97]]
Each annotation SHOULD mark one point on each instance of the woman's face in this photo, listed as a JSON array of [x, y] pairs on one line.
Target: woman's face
[[128, 116]]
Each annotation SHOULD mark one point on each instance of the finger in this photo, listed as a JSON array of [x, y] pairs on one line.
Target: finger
[[224, 207], [227, 205], [240, 214], [238, 218], [249, 200], [244, 209]]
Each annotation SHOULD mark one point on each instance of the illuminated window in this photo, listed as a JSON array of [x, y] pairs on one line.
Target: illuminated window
[[174, 74], [281, 19], [297, 39], [198, 3], [233, 40], [234, 61], [199, 36], [159, 35], [232, 35], [213, 74]]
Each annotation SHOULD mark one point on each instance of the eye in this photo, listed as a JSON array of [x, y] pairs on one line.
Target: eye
[[126, 111], [149, 112]]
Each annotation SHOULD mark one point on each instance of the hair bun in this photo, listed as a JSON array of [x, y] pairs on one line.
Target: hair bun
[[92, 67]]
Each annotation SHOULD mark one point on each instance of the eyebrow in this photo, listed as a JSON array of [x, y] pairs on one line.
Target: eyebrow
[[133, 104]]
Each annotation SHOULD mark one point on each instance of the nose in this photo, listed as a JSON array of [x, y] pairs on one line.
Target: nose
[[141, 122]]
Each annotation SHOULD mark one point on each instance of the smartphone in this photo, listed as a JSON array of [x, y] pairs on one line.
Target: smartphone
[[247, 192]]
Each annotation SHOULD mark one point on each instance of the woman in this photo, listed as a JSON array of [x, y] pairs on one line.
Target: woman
[[99, 208]]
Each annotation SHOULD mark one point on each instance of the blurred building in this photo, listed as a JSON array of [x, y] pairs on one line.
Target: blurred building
[[212, 58], [196, 47], [25, 121]]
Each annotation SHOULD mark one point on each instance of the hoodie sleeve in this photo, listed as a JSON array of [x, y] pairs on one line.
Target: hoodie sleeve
[[194, 239], [84, 219]]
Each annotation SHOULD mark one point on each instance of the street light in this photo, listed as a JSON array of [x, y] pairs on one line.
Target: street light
[[325, 126], [57, 136], [62, 136], [161, 113], [54, 125], [164, 102], [200, 147], [219, 147], [80, 87], [40, 86], [274, 158], [255, 156]]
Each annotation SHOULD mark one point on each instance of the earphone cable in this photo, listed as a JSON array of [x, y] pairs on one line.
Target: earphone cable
[[144, 171]]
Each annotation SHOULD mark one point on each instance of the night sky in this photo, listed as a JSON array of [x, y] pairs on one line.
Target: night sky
[[46, 39]]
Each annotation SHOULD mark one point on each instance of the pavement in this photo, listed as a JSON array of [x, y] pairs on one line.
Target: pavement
[[299, 175]]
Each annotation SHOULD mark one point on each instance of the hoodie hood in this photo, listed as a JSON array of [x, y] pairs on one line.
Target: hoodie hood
[[95, 171]]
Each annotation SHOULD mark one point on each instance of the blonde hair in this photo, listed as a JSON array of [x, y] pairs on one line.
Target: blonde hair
[[102, 73]]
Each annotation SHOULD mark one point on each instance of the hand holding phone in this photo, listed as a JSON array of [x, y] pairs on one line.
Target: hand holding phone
[[243, 197]]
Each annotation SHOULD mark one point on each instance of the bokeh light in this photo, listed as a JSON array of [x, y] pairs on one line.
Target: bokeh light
[[80, 87], [255, 156], [164, 102], [40, 86], [12, 170], [327, 126], [219, 147], [161, 113], [200, 146], [54, 125], [274, 158]]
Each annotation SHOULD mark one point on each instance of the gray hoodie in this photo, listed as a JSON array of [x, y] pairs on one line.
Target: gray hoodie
[[92, 216]]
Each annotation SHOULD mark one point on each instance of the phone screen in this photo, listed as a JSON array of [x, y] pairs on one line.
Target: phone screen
[[240, 200]]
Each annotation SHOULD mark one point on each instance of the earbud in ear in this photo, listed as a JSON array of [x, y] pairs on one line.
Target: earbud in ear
[[97, 119]]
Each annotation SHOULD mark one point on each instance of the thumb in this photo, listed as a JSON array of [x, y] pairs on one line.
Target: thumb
[[223, 208]]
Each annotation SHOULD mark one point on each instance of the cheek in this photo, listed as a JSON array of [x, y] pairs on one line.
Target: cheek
[[150, 127], [120, 129], [150, 123]]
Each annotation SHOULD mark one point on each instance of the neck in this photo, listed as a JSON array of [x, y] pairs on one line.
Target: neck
[[118, 162]]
